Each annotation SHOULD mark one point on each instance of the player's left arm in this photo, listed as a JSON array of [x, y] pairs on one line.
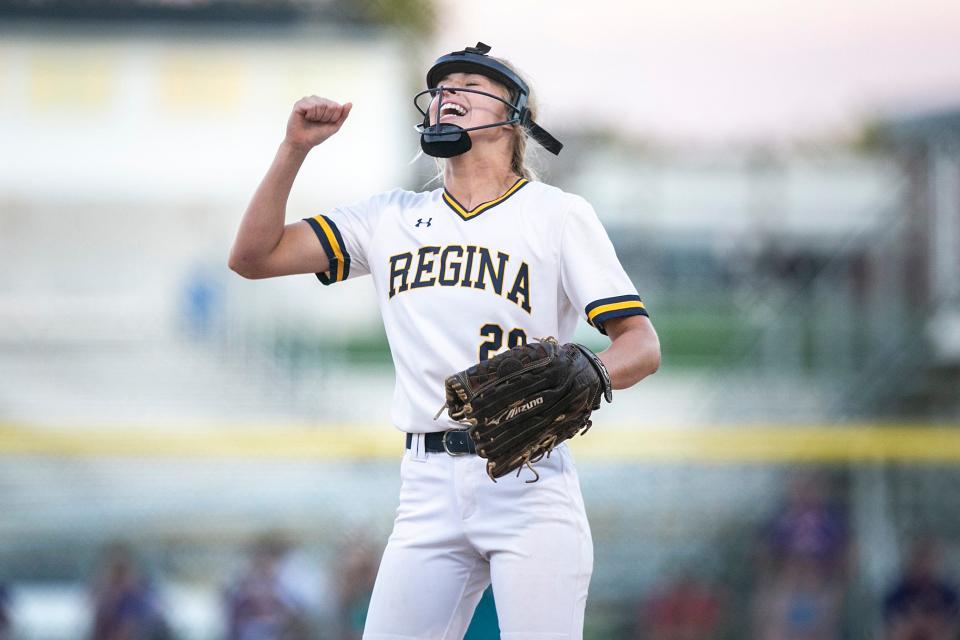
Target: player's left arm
[[634, 351]]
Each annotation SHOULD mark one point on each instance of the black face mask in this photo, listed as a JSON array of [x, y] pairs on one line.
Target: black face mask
[[445, 140]]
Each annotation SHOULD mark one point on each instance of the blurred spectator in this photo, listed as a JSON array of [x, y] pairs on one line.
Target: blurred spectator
[[202, 302], [803, 569], [808, 529], [922, 605], [799, 603], [277, 596], [126, 606], [686, 608], [358, 572], [5, 623]]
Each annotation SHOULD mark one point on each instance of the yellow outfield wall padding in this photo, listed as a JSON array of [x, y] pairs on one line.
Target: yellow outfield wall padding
[[719, 444]]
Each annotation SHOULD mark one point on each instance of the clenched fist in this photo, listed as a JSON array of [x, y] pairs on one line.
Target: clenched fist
[[314, 119]]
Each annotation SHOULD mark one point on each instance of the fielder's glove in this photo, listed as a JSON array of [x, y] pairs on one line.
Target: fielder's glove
[[523, 402]]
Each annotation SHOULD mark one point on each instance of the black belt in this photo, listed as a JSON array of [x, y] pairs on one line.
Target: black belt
[[456, 442]]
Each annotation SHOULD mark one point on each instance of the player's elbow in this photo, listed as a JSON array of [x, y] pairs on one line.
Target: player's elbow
[[650, 351], [653, 358], [646, 357], [245, 266]]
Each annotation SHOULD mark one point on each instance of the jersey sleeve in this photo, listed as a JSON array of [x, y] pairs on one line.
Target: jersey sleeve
[[345, 233], [590, 273]]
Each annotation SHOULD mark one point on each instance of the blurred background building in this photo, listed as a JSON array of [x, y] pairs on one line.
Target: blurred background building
[[185, 454]]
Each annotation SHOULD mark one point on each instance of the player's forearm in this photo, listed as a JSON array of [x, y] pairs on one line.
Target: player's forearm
[[632, 356], [262, 225]]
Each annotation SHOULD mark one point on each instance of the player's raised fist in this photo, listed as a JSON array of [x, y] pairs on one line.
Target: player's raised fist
[[314, 119]]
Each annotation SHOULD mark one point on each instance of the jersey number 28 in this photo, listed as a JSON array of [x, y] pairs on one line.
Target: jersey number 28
[[494, 335]]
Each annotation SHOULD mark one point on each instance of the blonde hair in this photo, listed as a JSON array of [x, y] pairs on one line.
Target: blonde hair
[[522, 156], [518, 158]]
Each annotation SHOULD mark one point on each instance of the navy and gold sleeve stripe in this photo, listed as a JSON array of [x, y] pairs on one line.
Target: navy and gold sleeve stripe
[[332, 243], [599, 311]]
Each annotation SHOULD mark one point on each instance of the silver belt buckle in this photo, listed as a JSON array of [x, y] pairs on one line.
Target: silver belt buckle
[[447, 448]]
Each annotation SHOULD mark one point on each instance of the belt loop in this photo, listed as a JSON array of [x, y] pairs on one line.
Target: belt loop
[[419, 447]]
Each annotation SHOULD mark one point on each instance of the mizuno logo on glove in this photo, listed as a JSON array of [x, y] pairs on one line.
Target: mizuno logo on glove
[[517, 410]]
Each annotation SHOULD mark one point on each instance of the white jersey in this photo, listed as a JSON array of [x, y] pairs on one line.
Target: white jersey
[[456, 286]]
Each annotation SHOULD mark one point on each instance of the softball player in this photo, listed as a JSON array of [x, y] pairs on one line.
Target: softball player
[[489, 261]]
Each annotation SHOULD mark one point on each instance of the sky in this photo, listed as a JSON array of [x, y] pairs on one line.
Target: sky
[[735, 70]]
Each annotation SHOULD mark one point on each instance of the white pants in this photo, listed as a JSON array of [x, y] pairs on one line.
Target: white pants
[[456, 532]]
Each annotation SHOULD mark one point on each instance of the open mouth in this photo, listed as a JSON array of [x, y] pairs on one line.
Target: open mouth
[[451, 111]]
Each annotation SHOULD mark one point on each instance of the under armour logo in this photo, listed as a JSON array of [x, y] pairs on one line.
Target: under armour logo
[[421, 221]]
